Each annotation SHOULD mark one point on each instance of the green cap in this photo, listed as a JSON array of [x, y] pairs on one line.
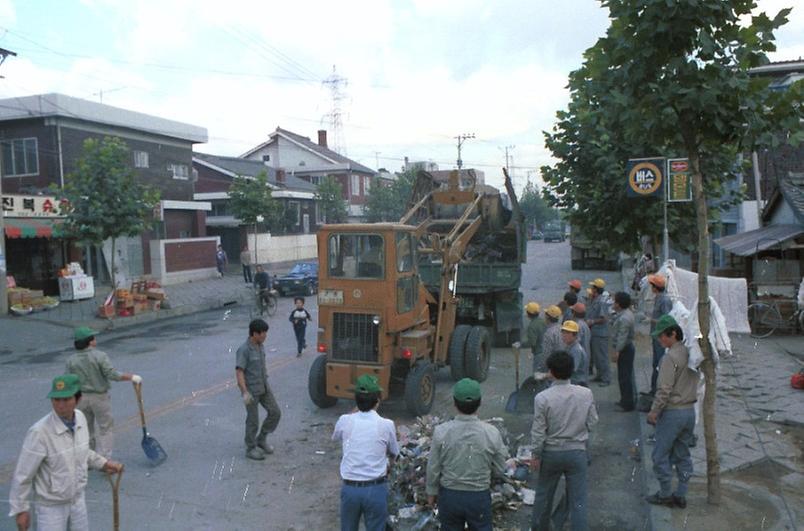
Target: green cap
[[65, 386], [466, 390], [664, 322], [83, 332], [367, 383]]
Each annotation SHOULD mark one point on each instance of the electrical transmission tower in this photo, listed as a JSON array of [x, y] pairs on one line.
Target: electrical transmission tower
[[461, 139], [336, 85]]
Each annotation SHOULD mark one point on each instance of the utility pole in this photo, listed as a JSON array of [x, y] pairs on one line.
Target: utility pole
[[336, 84], [377, 158], [507, 156], [461, 139], [3, 272]]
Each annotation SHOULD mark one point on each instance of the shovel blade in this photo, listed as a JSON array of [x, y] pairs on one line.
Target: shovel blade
[[153, 450], [513, 401]]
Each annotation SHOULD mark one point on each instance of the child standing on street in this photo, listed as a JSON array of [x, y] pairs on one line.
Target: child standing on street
[[299, 317]]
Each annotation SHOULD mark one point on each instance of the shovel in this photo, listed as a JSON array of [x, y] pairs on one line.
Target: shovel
[[513, 399], [152, 449], [115, 483]]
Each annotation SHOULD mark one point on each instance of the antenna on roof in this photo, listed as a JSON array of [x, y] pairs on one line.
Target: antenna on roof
[[3, 54]]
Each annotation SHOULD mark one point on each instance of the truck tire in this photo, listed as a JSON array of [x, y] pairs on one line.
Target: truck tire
[[455, 352], [420, 389], [478, 353], [317, 383]]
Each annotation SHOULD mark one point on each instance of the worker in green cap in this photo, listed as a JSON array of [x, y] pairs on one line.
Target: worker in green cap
[[673, 413], [53, 463], [464, 455], [368, 440], [96, 373]]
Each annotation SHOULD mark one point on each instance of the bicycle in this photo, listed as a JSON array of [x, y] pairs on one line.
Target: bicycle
[[266, 301], [764, 318]]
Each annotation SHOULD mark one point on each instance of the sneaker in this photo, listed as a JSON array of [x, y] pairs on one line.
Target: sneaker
[[298, 354], [266, 448], [679, 501], [255, 454], [658, 499]]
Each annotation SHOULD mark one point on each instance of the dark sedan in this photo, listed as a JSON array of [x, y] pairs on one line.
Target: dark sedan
[[301, 280]]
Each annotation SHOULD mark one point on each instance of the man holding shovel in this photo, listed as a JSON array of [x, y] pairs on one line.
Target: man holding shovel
[[53, 463], [96, 374]]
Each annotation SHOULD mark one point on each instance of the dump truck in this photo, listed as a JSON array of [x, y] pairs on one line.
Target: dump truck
[[402, 300]]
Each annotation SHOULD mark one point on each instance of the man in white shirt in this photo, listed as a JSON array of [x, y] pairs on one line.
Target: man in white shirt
[[53, 463], [368, 441]]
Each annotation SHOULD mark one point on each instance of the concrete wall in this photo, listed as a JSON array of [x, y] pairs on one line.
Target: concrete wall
[[182, 260], [273, 249]]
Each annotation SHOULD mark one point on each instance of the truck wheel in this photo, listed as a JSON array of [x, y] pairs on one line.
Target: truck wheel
[[455, 352], [478, 353], [317, 383], [420, 389]]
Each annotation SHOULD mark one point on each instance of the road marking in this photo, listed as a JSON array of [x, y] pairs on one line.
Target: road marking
[[7, 469]]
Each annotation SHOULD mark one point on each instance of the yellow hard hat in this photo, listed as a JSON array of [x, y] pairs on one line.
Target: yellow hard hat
[[598, 283], [553, 311], [533, 307], [570, 326]]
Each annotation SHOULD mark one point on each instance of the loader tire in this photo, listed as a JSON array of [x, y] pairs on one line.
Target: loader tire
[[477, 354], [317, 383], [420, 389], [455, 352]]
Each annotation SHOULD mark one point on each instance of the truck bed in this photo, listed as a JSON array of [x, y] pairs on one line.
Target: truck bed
[[476, 278]]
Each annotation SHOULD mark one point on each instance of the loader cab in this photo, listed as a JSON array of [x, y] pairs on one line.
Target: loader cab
[[369, 293]]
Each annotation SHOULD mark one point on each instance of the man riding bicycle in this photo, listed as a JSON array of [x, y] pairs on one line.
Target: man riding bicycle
[[262, 284]]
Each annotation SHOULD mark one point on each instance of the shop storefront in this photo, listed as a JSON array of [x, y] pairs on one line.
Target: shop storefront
[[35, 247]]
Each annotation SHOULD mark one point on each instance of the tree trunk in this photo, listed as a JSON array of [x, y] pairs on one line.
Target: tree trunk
[[708, 364], [256, 258]]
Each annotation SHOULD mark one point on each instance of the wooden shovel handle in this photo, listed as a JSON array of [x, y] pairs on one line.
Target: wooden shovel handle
[[115, 483], [516, 363], [138, 391]]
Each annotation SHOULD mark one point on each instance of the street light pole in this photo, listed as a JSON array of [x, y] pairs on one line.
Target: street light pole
[[259, 219], [3, 260]]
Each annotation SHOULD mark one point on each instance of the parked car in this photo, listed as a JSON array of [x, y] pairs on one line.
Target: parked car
[[301, 280], [553, 235], [537, 235]]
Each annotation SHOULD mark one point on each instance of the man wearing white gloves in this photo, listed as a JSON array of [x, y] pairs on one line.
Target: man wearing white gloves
[[96, 373], [252, 379], [53, 464]]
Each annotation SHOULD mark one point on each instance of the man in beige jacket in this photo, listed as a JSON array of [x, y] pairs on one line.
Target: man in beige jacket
[[53, 463]]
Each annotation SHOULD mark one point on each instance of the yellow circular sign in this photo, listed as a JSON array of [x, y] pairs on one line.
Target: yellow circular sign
[[645, 178]]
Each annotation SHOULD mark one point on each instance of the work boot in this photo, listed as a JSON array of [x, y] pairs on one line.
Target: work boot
[[679, 501], [658, 499], [255, 454], [266, 448]]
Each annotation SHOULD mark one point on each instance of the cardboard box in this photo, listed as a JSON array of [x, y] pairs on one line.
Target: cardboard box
[[141, 307], [140, 297], [36, 293], [125, 302], [157, 294], [106, 311]]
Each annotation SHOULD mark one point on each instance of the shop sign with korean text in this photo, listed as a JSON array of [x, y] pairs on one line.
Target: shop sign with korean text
[[679, 185], [645, 177], [33, 206]]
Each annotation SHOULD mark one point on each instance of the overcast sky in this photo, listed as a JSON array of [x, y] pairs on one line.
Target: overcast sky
[[419, 72]]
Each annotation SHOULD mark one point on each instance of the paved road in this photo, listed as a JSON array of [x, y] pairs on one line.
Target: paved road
[[195, 412]]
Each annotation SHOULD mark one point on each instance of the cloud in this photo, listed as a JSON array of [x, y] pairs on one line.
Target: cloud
[[7, 13]]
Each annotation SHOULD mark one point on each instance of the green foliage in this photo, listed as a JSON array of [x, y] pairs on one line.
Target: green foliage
[[534, 207], [389, 202], [105, 200], [670, 78], [249, 198], [331, 204]]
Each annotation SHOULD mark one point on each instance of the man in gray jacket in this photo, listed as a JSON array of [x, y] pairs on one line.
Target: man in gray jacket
[[563, 415]]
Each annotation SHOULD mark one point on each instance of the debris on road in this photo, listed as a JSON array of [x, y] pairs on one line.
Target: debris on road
[[408, 498]]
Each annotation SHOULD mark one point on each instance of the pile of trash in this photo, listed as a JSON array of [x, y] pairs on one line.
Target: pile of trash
[[407, 505]]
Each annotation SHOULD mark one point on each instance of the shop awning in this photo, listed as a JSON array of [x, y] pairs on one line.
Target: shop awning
[[753, 241], [33, 228]]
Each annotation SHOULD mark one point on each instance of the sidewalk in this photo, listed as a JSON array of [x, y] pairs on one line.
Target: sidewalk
[[760, 428]]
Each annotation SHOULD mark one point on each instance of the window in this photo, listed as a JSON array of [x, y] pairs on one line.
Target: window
[[406, 293], [315, 179], [355, 185], [320, 216], [179, 171], [219, 208], [367, 185], [20, 157], [294, 212], [140, 159], [404, 253], [356, 256]]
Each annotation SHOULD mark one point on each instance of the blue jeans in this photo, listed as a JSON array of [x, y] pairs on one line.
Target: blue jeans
[[370, 502], [674, 432], [572, 464], [658, 352], [457, 508], [625, 377]]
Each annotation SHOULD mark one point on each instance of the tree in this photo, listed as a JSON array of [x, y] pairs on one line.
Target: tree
[[534, 207], [330, 200], [389, 202], [250, 198], [672, 76], [105, 200]]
